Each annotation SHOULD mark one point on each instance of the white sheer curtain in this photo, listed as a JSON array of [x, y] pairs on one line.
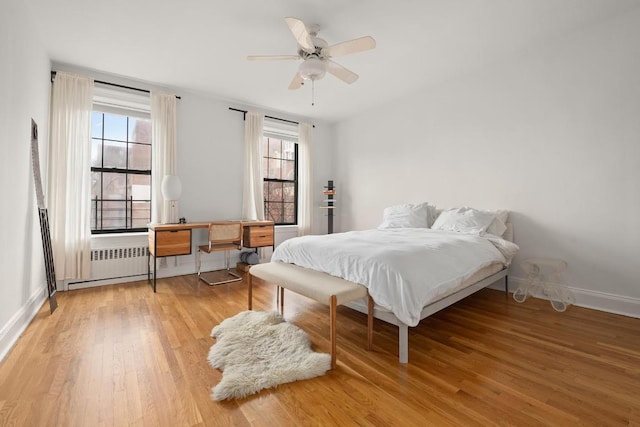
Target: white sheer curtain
[[252, 193], [305, 178], [69, 183], [163, 153]]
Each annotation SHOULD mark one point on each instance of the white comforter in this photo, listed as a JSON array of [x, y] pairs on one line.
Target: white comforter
[[404, 269]]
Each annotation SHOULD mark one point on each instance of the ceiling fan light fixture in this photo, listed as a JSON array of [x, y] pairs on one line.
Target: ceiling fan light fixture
[[312, 69]]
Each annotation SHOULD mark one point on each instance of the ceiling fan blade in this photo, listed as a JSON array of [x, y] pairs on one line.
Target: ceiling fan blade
[[296, 82], [351, 46], [340, 72], [301, 34], [271, 57]]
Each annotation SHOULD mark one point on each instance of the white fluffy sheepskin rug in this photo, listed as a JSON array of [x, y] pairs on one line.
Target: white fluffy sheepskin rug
[[257, 350]]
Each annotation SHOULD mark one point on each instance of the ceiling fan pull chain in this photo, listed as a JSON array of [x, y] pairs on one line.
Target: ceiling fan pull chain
[[313, 92]]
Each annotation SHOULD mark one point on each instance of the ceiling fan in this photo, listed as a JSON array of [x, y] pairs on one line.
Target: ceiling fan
[[316, 54]]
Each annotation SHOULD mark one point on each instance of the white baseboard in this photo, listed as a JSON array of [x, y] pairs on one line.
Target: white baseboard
[[10, 332], [595, 300], [102, 282]]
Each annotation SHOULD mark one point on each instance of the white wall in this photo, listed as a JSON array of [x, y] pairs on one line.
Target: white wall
[[24, 94], [552, 135]]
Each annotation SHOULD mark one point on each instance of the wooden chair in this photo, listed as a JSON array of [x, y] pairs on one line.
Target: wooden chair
[[223, 236]]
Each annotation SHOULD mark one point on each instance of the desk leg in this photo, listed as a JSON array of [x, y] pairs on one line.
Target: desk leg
[[155, 267]]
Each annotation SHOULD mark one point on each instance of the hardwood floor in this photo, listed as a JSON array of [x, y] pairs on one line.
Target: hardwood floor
[[122, 355]]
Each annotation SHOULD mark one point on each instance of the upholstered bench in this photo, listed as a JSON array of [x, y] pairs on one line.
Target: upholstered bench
[[318, 286]]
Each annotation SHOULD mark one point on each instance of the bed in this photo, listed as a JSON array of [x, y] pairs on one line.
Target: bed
[[417, 262]]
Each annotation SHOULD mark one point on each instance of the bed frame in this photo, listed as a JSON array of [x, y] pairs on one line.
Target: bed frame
[[428, 310], [403, 328]]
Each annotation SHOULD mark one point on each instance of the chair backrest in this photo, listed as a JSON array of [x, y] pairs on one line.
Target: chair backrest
[[225, 232]]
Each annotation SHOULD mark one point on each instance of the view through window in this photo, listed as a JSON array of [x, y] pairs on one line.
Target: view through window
[[280, 170], [120, 173]]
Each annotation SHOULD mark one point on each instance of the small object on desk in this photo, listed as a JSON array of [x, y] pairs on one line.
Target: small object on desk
[[182, 220], [549, 284]]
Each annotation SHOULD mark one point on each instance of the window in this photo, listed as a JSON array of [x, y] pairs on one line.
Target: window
[[120, 173], [280, 171]]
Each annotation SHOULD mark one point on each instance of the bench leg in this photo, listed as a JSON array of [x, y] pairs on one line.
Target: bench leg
[[250, 300], [333, 302], [281, 294], [370, 323]]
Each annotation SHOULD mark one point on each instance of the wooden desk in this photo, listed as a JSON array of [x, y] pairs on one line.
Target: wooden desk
[[176, 239]]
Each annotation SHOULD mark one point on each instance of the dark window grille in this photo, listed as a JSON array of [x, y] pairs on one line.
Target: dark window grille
[[280, 169], [120, 173]]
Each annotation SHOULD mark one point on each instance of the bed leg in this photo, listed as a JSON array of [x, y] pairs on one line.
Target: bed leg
[[333, 302], [403, 342], [506, 285], [369, 323], [250, 298]]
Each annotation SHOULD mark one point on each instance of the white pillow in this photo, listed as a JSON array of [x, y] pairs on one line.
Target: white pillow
[[406, 216], [433, 214], [498, 225], [464, 220]]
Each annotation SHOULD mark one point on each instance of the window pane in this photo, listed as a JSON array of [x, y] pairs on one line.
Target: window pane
[[96, 185], [139, 130], [289, 150], [115, 154], [114, 186], [289, 169], [96, 124], [115, 127], [273, 212], [275, 148], [141, 212], [114, 214], [140, 156], [288, 192], [273, 192], [289, 213], [139, 187], [96, 153], [274, 169]]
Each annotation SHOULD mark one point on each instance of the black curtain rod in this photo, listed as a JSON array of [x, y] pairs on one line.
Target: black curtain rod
[[244, 116], [53, 74]]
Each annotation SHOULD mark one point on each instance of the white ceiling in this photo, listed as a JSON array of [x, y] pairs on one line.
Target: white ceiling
[[201, 45]]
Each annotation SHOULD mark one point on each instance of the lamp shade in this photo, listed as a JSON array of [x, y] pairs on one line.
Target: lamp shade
[[171, 187], [312, 69]]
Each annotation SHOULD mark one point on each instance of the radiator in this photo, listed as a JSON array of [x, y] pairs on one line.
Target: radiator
[[111, 263]]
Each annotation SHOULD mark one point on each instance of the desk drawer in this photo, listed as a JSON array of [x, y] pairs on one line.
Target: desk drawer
[[257, 236], [169, 243]]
